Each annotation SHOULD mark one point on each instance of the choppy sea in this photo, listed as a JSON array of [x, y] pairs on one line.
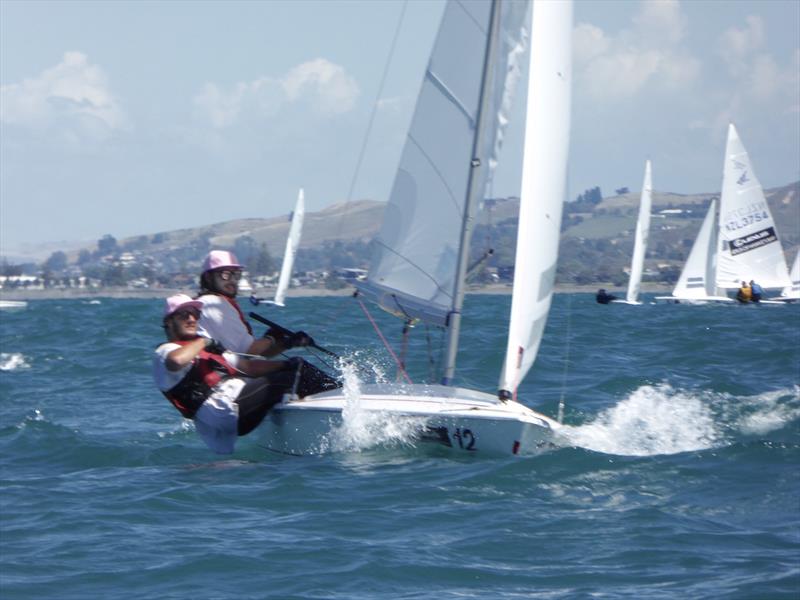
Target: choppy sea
[[681, 478]]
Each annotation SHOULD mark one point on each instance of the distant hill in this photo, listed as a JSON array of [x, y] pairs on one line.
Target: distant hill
[[596, 242]]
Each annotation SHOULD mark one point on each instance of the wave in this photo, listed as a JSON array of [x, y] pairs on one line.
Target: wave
[[12, 361], [660, 420]]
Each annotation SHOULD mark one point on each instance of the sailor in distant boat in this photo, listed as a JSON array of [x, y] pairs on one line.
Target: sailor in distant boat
[[604, 297], [745, 293], [222, 319], [212, 386], [756, 291]]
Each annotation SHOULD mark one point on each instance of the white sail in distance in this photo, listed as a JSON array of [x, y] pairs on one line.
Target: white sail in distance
[[750, 248], [292, 242], [697, 279], [642, 233], [792, 290], [543, 187]]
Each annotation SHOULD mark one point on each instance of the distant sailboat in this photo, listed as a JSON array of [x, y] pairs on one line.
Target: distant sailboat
[[640, 243], [697, 283], [741, 245], [791, 293], [749, 247], [292, 242]]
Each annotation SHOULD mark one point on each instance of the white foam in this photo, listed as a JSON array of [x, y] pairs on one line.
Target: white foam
[[12, 361], [653, 420], [766, 412], [362, 429]]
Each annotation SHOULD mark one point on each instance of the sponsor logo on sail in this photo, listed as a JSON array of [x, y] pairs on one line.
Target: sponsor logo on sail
[[743, 179], [753, 241]]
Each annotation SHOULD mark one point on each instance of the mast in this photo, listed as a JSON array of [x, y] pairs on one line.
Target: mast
[[459, 284]]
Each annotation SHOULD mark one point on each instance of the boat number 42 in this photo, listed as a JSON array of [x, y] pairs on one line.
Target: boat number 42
[[464, 438]]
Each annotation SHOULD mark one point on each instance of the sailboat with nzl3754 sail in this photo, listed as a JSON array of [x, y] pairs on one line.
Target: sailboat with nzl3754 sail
[[740, 244], [419, 269]]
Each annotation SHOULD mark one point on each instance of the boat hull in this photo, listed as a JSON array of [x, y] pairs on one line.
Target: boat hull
[[413, 416], [698, 300]]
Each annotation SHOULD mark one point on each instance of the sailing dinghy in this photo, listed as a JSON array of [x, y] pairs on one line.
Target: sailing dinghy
[[791, 293], [640, 242], [292, 242], [749, 246], [419, 269], [697, 282], [740, 244]]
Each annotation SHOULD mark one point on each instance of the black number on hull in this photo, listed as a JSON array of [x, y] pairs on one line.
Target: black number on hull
[[465, 438]]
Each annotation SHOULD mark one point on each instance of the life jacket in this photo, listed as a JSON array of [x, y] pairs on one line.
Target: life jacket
[[208, 370], [745, 293]]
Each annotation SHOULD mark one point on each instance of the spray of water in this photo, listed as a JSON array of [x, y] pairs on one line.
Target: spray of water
[[763, 413], [655, 420], [12, 361], [362, 428], [652, 420]]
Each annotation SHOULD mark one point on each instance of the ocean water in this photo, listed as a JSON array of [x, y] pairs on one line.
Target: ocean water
[[679, 479]]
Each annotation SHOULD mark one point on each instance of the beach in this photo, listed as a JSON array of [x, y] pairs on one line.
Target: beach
[[303, 292]]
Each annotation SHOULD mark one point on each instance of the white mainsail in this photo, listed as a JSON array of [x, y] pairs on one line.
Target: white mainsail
[[749, 245], [292, 242], [697, 280], [543, 182], [640, 242], [792, 291], [447, 159]]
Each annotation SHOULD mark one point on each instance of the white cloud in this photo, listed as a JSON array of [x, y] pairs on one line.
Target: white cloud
[[759, 81], [588, 42], [324, 87], [660, 22], [647, 54], [737, 44], [73, 95]]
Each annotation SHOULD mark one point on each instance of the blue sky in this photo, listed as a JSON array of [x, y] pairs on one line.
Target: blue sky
[[136, 117]]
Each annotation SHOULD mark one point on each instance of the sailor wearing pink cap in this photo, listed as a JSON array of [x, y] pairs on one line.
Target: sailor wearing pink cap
[[207, 384], [222, 319]]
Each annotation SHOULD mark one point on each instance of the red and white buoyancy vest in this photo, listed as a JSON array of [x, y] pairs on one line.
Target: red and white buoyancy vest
[[208, 370]]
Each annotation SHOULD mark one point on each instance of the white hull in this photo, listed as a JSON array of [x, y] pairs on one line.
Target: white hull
[[456, 418], [13, 304], [696, 300]]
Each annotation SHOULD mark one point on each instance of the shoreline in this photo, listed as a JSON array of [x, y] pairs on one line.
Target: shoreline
[[160, 293]]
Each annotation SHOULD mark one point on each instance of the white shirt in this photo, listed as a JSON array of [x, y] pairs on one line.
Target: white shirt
[[221, 321], [217, 418]]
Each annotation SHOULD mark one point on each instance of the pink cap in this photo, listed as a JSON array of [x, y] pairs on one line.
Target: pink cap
[[218, 259], [178, 301]]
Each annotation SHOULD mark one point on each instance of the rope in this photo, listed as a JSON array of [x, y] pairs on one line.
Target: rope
[[378, 95], [566, 361], [385, 342]]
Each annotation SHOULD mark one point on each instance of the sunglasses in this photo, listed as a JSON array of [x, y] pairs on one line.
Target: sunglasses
[[182, 315], [228, 275]]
